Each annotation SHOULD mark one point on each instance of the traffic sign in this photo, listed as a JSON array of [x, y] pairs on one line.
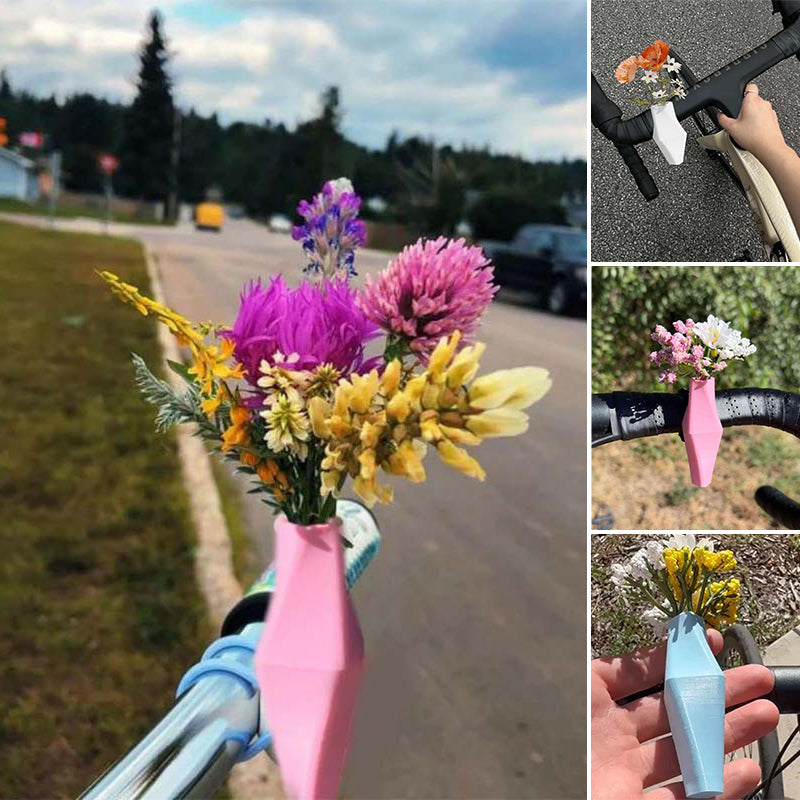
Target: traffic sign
[[108, 163]]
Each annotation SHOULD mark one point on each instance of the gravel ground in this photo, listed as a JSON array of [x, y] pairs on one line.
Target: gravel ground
[[699, 215], [768, 564]]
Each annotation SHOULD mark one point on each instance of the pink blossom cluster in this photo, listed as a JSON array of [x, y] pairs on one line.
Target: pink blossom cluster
[[680, 354]]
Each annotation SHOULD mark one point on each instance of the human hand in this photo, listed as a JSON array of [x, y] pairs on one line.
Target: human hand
[[756, 128], [624, 759]]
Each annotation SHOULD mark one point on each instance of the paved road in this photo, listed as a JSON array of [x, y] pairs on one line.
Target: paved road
[[700, 215], [474, 613]]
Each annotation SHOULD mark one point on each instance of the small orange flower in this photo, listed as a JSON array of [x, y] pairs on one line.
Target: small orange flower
[[267, 470], [653, 57], [238, 434], [626, 71], [248, 459]]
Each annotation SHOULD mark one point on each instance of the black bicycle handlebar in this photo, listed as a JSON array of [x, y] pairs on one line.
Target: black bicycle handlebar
[[620, 416], [723, 90]]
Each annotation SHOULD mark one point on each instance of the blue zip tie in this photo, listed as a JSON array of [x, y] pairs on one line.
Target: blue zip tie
[[210, 664]]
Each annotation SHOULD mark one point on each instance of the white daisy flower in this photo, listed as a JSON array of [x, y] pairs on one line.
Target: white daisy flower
[[671, 65], [650, 76], [680, 92], [716, 333], [658, 94]]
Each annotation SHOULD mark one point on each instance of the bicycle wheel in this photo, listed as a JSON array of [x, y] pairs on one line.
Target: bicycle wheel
[[740, 648]]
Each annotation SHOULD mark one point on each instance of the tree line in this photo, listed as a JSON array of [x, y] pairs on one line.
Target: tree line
[[268, 167]]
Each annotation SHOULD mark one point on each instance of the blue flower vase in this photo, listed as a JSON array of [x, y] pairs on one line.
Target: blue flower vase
[[694, 694]]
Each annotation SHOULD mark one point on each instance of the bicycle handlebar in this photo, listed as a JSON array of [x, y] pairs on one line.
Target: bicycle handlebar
[[620, 416], [723, 89]]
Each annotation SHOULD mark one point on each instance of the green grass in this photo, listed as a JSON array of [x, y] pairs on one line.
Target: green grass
[[245, 564], [41, 209], [99, 611]]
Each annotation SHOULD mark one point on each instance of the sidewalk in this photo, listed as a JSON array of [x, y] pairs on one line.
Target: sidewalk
[[785, 652]]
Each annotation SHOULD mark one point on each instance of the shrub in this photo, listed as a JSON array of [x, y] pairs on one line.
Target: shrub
[[628, 302], [500, 214]]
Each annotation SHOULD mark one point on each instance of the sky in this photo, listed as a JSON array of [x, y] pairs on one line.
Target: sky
[[510, 74]]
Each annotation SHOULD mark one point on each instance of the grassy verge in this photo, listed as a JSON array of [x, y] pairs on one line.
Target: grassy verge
[[99, 610], [245, 564], [769, 566], [41, 209]]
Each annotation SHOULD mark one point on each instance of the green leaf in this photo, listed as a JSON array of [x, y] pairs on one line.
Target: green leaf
[[180, 369]]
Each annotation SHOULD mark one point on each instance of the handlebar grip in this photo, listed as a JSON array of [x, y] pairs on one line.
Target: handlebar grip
[[786, 691], [779, 507], [644, 180], [788, 9]]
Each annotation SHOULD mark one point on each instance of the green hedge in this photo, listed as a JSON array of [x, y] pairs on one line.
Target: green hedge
[[763, 301]]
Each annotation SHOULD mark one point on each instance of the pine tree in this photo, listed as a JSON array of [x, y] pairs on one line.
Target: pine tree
[[145, 157], [5, 86]]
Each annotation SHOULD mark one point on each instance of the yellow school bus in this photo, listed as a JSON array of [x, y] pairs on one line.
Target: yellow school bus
[[209, 216]]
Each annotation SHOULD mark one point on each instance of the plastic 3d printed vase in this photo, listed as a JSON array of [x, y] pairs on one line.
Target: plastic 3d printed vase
[[694, 695], [310, 659], [668, 133], [702, 431]]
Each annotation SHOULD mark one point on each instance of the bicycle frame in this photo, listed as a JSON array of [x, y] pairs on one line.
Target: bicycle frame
[[773, 220]]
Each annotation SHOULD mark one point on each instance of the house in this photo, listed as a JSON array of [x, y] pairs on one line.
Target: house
[[17, 176]]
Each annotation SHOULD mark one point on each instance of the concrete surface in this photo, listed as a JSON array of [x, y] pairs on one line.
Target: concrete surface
[[700, 215], [785, 652], [474, 612]]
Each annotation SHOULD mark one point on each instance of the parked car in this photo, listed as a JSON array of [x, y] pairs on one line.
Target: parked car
[[278, 223], [209, 217], [548, 260]]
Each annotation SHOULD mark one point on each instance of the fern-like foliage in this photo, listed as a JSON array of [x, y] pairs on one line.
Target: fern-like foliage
[[173, 408]]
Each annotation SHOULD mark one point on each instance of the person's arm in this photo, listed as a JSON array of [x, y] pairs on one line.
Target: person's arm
[[757, 129], [629, 750]]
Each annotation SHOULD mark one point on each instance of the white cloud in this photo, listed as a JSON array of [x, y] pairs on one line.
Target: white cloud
[[414, 70]]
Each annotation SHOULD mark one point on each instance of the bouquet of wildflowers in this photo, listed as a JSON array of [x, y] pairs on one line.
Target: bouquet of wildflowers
[[681, 574], [659, 74], [312, 385], [697, 349]]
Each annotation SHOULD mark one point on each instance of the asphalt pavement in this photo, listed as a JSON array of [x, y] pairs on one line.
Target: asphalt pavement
[[700, 215], [474, 611]]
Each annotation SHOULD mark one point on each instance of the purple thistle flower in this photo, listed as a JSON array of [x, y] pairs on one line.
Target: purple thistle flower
[[321, 323], [430, 290], [331, 231]]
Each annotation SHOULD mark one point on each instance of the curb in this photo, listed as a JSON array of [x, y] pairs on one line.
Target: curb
[[213, 557], [785, 652]]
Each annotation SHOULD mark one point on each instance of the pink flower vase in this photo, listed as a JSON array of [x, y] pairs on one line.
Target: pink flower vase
[[310, 659], [702, 431]]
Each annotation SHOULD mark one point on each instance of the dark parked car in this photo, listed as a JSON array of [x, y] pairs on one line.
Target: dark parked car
[[549, 260]]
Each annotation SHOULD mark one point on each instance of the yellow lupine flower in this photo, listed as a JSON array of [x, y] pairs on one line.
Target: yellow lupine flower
[[498, 422], [465, 365], [390, 380], [510, 388], [442, 355], [459, 459], [318, 412]]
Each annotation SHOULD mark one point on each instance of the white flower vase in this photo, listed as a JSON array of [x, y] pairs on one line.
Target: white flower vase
[[668, 133]]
